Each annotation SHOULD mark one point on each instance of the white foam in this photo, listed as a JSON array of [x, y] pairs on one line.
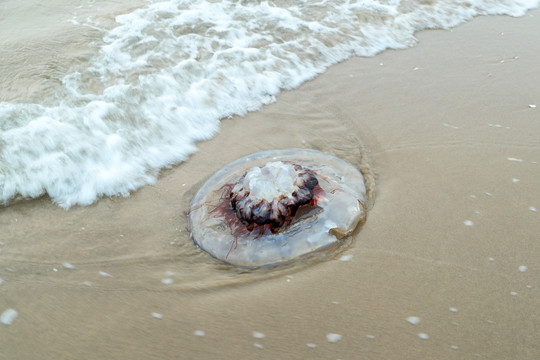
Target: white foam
[[8, 316], [415, 320], [468, 223], [158, 316], [167, 73], [346, 258], [522, 268], [258, 335], [333, 337], [199, 333], [423, 336]]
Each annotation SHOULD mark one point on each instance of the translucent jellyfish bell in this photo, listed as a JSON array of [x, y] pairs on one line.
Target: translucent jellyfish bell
[[336, 208]]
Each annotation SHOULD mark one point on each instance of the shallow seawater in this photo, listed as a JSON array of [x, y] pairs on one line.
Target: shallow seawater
[[97, 97], [119, 245]]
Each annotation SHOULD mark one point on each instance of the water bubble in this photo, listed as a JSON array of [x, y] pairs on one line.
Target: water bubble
[[8, 316], [258, 335], [333, 337]]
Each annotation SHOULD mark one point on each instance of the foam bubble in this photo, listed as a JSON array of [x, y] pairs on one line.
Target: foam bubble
[[333, 337], [415, 320], [346, 257], [8, 316]]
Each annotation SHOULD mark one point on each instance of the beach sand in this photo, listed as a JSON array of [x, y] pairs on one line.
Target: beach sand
[[451, 236]]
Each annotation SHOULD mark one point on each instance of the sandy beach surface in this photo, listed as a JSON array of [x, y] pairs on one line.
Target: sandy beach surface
[[447, 265]]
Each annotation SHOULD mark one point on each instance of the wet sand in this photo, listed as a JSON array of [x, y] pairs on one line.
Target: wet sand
[[451, 237]]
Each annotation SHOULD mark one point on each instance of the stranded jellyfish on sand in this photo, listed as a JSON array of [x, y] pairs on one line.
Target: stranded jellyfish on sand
[[273, 206]]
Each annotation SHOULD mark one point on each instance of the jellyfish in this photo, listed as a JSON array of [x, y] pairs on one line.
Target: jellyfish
[[274, 206]]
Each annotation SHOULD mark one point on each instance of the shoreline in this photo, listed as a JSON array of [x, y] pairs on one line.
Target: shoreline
[[450, 227]]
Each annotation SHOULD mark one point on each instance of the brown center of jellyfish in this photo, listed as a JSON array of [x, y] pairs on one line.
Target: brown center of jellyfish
[[271, 194]]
